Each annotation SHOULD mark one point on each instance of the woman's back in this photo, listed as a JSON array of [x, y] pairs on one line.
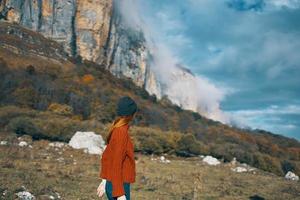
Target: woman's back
[[117, 162]]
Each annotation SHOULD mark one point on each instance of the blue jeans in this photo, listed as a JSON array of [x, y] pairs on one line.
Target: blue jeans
[[108, 190]]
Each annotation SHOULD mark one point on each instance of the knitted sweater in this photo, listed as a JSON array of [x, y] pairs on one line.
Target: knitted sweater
[[117, 162]]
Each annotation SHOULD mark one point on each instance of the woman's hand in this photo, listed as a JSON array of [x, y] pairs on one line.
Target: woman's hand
[[123, 197], [101, 188]]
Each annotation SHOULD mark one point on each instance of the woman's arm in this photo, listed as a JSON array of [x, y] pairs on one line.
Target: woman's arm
[[119, 141]]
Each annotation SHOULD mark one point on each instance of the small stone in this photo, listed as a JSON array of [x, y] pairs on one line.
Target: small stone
[[24, 195], [211, 160], [56, 144], [291, 176], [239, 169], [23, 144]]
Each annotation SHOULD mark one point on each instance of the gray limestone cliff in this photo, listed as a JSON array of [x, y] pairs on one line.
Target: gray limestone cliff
[[82, 26], [91, 29], [127, 54]]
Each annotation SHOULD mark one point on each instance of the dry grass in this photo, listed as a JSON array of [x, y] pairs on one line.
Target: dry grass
[[44, 170]]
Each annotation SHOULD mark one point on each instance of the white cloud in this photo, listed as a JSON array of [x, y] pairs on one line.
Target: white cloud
[[252, 50], [191, 92], [292, 4], [269, 118], [272, 110]]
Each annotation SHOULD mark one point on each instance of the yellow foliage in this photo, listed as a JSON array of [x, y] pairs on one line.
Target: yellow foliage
[[88, 78], [61, 109]]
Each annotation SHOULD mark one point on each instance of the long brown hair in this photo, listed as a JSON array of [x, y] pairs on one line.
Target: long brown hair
[[118, 122]]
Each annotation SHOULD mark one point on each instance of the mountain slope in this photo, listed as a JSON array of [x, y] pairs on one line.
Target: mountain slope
[[48, 95]]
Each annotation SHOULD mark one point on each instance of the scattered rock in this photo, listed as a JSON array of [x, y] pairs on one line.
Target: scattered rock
[[25, 138], [46, 197], [60, 159], [164, 160], [50, 196], [234, 161], [152, 158], [3, 142], [239, 169], [3, 192], [144, 180], [23, 144], [93, 143], [57, 144], [25, 195], [291, 176], [161, 159], [57, 195], [211, 160], [242, 167]]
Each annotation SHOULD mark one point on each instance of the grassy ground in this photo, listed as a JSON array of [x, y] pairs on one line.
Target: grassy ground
[[72, 174]]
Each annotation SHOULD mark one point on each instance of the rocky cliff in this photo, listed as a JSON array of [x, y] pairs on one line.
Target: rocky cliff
[[82, 26], [91, 29]]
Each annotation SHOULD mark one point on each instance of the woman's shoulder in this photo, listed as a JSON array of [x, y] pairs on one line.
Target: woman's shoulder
[[122, 130]]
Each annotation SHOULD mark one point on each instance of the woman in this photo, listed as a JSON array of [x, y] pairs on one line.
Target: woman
[[117, 162]]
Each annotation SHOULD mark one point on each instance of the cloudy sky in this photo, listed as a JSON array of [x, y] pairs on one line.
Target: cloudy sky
[[248, 48]]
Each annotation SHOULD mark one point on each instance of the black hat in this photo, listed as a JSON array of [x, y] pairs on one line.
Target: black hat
[[126, 106]]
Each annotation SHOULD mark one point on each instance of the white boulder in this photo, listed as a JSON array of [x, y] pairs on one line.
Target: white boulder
[[23, 144], [291, 176], [211, 160], [93, 143], [239, 169], [164, 160], [24, 195], [3, 142], [234, 161]]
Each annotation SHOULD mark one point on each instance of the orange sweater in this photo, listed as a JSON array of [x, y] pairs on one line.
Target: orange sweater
[[117, 162]]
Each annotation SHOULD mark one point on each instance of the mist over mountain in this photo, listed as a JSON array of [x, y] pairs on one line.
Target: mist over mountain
[[246, 48]]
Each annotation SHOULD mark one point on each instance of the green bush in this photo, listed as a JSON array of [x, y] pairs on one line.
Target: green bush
[[188, 145], [150, 145], [106, 113], [267, 163], [58, 128], [61, 129], [25, 96], [7, 113], [287, 166], [60, 109], [25, 125], [151, 140]]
